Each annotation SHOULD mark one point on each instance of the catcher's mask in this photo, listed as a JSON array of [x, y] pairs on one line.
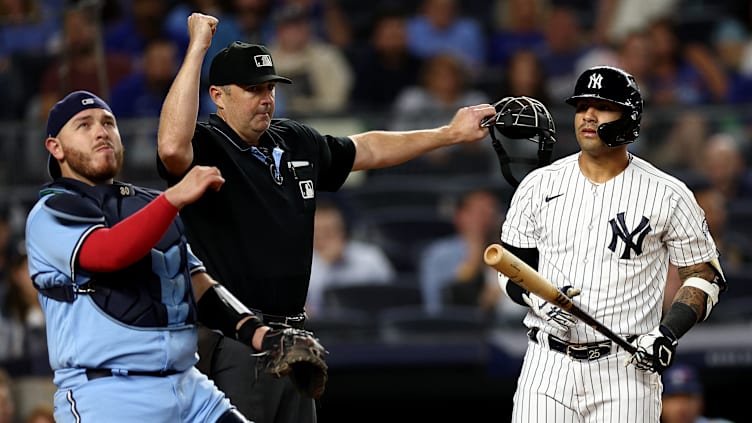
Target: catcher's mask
[[615, 86], [521, 118]]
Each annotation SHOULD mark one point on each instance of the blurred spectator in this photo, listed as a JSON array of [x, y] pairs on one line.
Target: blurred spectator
[[439, 28], [253, 19], [682, 72], [519, 26], [22, 325], [7, 403], [384, 58], [140, 95], [616, 19], [27, 27], [684, 397], [40, 414], [681, 149], [27, 32], [443, 88], [322, 76], [143, 21], [566, 44], [6, 233], [729, 40], [81, 65], [452, 271], [634, 55], [339, 260], [327, 19], [735, 247], [723, 162], [745, 60], [524, 77], [731, 37]]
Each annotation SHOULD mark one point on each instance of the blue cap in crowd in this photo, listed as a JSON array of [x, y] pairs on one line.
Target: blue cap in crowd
[[681, 379], [62, 112]]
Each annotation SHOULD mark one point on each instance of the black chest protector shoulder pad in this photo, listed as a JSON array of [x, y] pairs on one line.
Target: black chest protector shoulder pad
[[70, 208]]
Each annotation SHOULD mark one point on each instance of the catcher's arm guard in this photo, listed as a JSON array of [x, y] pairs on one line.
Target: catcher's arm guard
[[297, 353], [219, 309]]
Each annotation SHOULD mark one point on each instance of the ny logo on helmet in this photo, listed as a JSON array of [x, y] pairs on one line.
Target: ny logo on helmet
[[595, 81]]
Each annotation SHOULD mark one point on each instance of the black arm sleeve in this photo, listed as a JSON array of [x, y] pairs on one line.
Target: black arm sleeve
[[529, 256], [680, 319], [215, 311]]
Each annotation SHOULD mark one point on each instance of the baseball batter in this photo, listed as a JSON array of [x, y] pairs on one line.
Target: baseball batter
[[603, 225]]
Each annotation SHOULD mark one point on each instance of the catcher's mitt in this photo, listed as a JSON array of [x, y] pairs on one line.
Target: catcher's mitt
[[297, 353]]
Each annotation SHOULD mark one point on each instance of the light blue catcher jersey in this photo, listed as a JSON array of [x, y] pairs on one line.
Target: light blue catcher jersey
[[80, 333]]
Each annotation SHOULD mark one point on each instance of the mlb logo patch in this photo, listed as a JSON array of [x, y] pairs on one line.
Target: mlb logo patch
[[263, 60], [306, 189], [87, 101]]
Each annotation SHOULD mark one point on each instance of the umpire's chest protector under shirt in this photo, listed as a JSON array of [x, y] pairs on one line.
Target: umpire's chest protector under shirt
[[255, 235]]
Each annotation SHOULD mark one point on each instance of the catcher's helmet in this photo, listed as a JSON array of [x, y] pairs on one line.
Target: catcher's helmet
[[523, 117], [616, 86], [520, 118]]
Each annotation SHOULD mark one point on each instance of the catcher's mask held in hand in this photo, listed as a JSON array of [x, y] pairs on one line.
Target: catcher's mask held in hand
[[521, 118]]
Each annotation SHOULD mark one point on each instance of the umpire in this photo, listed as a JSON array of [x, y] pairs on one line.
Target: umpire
[[256, 233]]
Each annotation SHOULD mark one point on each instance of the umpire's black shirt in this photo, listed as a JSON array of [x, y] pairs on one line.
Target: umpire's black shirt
[[255, 235]]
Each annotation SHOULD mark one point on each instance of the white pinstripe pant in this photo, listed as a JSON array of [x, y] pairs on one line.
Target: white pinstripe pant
[[553, 387]]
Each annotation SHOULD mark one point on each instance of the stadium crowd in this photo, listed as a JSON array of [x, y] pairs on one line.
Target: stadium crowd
[[398, 64]]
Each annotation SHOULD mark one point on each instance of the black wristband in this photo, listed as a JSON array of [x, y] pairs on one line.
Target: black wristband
[[680, 319], [216, 313], [245, 333]]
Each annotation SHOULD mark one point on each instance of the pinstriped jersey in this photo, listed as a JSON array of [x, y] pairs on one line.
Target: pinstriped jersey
[[612, 240]]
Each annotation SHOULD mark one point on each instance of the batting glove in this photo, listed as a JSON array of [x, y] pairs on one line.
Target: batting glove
[[559, 318], [655, 350]]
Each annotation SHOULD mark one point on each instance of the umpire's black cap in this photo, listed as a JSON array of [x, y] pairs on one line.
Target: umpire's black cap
[[62, 112], [243, 64]]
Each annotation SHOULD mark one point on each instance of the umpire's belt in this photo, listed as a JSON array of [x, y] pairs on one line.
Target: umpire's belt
[[297, 321], [589, 351], [92, 374]]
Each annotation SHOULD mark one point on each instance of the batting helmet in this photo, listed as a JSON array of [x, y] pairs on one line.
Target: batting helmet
[[616, 86]]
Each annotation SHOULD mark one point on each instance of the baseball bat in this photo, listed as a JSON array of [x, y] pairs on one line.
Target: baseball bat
[[529, 279]]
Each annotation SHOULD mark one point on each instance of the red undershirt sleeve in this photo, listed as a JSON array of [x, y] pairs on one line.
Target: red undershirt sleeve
[[110, 249]]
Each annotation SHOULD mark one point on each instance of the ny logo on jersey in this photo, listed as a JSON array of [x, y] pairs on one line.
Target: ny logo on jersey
[[595, 81], [620, 231]]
